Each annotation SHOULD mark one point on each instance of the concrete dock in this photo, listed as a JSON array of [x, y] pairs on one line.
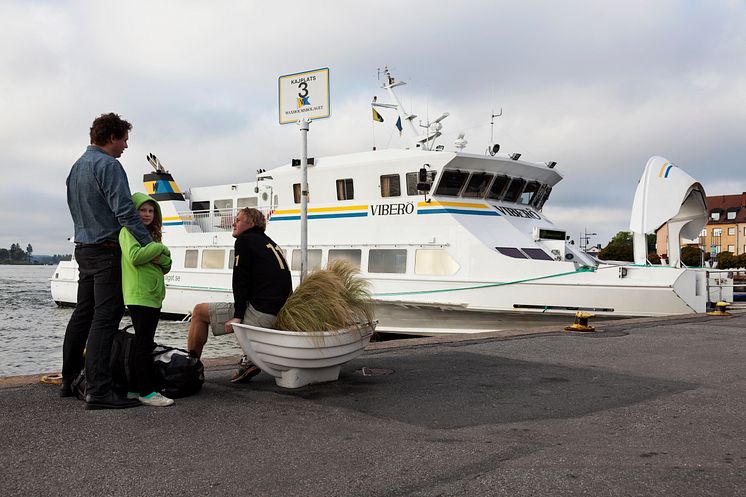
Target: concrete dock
[[645, 407]]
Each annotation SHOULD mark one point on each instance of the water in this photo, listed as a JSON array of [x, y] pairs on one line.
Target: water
[[33, 327]]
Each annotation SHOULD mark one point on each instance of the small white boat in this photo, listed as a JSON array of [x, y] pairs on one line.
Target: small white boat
[[446, 238], [297, 359]]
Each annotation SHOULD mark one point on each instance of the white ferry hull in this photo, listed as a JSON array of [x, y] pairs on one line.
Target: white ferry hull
[[481, 306]]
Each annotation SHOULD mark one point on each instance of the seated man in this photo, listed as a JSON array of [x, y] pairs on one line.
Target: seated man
[[261, 285]]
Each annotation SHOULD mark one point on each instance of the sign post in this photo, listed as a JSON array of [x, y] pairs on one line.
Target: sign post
[[304, 96]]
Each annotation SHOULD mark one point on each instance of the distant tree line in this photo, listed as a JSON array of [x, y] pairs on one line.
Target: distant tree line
[[620, 249], [16, 255]]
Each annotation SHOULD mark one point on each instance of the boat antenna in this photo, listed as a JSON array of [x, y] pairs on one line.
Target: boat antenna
[[490, 149]]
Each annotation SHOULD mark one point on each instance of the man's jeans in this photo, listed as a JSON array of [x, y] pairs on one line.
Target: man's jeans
[[96, 317]]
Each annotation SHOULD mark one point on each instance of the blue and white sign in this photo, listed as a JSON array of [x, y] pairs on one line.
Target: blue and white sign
[[304, 95]]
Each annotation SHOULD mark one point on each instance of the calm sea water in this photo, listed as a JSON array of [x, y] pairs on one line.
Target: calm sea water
[[32, 327]]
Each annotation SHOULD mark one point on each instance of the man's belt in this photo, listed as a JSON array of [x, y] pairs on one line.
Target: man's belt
[[97, 245]]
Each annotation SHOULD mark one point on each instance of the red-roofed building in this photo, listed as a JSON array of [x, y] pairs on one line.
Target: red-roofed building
[[725, 229]]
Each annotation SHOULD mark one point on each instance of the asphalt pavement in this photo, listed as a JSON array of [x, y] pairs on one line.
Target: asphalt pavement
[[645, 407]]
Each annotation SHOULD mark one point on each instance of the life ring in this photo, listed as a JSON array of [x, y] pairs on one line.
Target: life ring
[[51, 379]]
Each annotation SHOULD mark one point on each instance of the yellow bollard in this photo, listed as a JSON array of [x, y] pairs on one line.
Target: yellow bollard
[[721, 309], [581, 322]]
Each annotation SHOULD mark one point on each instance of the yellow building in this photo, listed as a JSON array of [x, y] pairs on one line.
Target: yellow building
[[725, 229]]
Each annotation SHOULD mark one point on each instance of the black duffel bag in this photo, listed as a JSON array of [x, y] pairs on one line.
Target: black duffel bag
[[177, 374]]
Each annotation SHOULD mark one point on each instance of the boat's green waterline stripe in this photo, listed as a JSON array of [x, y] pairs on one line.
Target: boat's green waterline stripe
[[582, 269]]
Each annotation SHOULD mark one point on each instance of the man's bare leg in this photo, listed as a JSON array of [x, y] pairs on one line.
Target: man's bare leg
[[198, 330]]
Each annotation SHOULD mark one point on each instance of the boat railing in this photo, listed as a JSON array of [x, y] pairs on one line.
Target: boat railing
[[216, 220]]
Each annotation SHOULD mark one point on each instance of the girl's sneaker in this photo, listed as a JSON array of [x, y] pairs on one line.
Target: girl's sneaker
[[156, 400]]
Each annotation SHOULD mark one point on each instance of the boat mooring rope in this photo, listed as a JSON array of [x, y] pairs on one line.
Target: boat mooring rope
[[581, 269]]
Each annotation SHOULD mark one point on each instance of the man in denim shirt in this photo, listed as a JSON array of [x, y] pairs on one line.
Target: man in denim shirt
[[100, 203]]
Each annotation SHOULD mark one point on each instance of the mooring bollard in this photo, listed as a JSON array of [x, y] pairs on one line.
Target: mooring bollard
[[721, 309], [581, 322]]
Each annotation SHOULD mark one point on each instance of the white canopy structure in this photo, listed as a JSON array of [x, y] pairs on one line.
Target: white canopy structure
[[666, 195]]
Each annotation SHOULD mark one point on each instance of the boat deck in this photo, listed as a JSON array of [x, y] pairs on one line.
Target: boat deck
[[642, 407]]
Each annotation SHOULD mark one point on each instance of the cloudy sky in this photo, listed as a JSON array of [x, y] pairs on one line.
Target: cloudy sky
[[598, 87]]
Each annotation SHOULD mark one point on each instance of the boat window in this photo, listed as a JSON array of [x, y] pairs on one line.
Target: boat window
[[190, 258], [540, 193], [344, 189], [296, 193], [477, 185], [532, 188], [514, 190], [350, 255], [412, 179], [435, 262], [537, 253], [201, 205], [213, 259], [387, 261], [390, 185], [451, 182], [314, 259], [511, 252], [498, 187], [222, 205], [246, 202], [231, 258], [542, 197]]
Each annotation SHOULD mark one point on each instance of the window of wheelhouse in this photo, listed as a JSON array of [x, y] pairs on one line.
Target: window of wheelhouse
[[515, 189], [532, 188], [390, 185], [345, 190], [451, 182], [541, 197], [498, 187], [477, 185]]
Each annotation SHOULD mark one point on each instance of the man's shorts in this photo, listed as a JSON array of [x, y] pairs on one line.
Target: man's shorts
[[220, 312]]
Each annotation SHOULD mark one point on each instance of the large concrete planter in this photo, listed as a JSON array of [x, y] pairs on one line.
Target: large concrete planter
[[297, 359]]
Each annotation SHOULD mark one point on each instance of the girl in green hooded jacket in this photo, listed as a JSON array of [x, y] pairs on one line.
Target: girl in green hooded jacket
[[143, 289]]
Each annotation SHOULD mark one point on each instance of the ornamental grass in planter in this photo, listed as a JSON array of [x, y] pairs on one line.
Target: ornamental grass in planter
[[331, 299]]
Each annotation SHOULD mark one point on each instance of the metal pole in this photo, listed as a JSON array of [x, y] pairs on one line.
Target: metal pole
[[304, 125]]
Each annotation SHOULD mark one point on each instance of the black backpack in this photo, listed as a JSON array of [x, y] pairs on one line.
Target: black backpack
[[122, 360]]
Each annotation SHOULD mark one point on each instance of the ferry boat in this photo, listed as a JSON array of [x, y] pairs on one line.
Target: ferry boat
[[450, 241]]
